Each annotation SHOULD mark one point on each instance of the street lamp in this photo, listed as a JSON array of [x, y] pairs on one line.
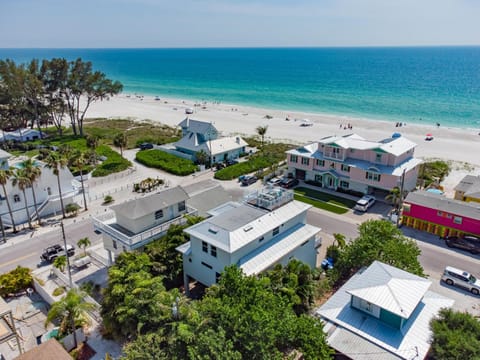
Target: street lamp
[[66, 254]]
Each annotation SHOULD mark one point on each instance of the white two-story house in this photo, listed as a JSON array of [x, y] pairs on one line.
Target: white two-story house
[[268, 228], [137, 222], [46, 192]]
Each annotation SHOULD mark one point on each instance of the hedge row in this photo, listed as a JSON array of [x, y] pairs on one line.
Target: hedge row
[[114, 162], [234, 171], [165, 161]]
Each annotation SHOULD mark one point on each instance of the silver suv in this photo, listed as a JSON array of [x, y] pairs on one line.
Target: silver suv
[[460, 278]]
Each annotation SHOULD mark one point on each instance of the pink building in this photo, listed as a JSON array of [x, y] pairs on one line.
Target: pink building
[[351, 163], [440, 215]]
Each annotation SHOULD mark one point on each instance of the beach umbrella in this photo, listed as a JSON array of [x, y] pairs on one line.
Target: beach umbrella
[[396, 135]]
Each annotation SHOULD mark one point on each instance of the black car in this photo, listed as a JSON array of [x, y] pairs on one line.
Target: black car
[[288, 183], [146, 146], [247, 180], [52, 252], [467, 242]]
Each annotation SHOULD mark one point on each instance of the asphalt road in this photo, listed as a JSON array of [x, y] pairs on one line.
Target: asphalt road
[[27, 253]]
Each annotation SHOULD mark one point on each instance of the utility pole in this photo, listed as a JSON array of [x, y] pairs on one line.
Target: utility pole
[[400, 204], [66, 254]]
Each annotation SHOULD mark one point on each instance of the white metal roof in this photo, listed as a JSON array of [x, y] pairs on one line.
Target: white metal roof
[[415, 333], [390, 288], [264, 256], [237, 226]]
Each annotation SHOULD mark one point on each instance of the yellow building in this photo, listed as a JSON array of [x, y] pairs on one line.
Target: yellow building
[[468, 189]]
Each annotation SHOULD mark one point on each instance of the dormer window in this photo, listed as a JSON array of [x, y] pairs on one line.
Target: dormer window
[[158, 214], [16, 198]]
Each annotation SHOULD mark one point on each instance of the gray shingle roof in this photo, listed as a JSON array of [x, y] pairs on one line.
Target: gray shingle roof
[[197, 126], [470, 185], [137, 208], [442, 203]]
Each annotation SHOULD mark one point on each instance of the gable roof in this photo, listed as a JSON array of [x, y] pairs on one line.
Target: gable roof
[[197, 126], [470, 185], [442, 203], [51, 349], [137, 208], [390, 288]]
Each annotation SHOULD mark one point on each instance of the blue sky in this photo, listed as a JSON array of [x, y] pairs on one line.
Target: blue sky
[[238, 23]]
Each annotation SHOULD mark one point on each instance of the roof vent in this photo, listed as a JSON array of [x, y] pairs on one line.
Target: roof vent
[[213, 229], [248, 228]]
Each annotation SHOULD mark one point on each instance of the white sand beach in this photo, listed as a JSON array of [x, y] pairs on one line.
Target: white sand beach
[[461, 145]]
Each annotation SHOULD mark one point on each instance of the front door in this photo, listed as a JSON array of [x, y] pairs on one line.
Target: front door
[[300, 174]]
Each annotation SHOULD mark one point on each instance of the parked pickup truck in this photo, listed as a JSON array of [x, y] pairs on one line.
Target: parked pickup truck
[[52, 252]]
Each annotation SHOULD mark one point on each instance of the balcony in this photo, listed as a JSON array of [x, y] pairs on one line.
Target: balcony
[[333, 155], [107, 224]]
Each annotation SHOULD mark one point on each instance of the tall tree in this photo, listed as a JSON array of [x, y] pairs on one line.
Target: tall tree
[[84, 88], [120, 140], [394, 197], [5, 174], [33, 172], [80, 161], [21, 180], [71, 310], [262, 130], [60, 263], [56, 163]]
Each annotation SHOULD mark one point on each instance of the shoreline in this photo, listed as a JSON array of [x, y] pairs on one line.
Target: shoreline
[[449, 143]]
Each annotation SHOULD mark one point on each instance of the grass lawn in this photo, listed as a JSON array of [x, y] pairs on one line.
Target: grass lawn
[[332, 203]]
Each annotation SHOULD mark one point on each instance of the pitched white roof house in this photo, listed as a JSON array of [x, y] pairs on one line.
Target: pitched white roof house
[[382, 312], [200, 135], [269, 227]]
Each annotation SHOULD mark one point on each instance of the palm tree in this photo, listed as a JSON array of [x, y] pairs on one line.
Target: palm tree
[[262, 130], [394, 197], [60, 263], [80, 161], [70, 310], [202, 157], [21, 180], [92, 141], [84, 243], [33, 172], [120, 141], [5, 175], [56, 163]]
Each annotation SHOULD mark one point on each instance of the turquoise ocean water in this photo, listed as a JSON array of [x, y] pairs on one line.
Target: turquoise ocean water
[[419, 84]]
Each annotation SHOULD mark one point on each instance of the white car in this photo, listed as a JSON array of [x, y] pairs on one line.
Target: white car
[[460, 278], [365, 203]]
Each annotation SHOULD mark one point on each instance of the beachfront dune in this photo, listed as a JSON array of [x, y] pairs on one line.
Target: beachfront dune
[[447, 144]]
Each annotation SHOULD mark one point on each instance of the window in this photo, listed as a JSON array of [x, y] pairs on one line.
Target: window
[[332, 165], [114, 244], [204, 247], [293, 158], [344, 184], [305, 161], [276, 231], [217, 277], [49, 191], [320, 162], [345, 168], [457, 220], [261, 239], [181, 206], [124, 248], [406, 207], [16, 198], [158, 214], [372, 176], [213, 251], [378, 157], [207, 266]]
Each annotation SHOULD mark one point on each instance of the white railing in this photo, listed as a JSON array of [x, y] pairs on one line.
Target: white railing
[[137, 240]]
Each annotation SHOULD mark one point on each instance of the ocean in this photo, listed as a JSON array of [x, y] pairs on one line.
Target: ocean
[[424, 85]]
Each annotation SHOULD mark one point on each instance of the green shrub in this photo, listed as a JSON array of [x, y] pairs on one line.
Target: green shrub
[[15, 281], [234, 171], [114, 162], [58, 291], [167, 162], [108, 199]]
